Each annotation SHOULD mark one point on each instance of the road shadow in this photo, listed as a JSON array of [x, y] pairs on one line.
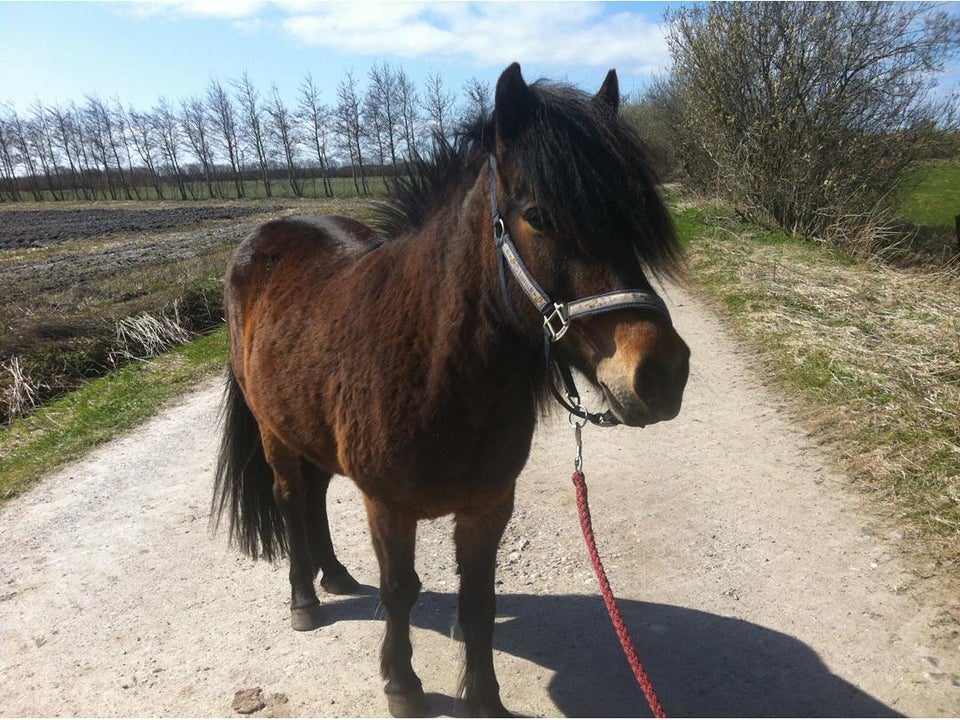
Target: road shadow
[[702, 665]]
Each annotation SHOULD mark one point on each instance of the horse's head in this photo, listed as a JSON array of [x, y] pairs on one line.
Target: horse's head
[[580, 203]]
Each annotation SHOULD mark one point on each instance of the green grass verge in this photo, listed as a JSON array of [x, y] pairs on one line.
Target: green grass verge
[[106, 407]]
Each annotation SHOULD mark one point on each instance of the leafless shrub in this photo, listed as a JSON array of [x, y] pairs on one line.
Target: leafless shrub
[[807, 115]]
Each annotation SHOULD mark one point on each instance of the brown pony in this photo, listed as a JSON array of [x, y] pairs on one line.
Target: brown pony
[[415, 365]]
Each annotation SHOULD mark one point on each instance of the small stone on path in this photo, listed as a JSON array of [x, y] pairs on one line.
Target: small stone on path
[[247, 702]]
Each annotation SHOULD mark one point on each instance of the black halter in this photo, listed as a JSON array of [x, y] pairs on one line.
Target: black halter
[[557, 316]]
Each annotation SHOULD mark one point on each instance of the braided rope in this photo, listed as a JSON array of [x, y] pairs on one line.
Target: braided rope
[[586, 524]]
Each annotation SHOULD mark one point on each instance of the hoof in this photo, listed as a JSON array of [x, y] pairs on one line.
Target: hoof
[[339, 583], [404, 705], [306, 618]]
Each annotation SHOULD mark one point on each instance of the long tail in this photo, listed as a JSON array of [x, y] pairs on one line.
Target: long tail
[[243, 487]]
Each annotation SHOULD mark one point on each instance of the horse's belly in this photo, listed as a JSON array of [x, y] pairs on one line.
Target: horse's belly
[[458, 470]]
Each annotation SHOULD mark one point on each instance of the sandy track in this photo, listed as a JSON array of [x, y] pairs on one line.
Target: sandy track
[[755, 582]]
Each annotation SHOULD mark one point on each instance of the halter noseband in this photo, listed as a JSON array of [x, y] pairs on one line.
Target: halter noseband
[[557, 316]]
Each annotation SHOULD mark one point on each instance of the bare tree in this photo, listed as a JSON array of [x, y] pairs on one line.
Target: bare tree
[[439, 104], [382, 110], [196, 128], [224, 122], [347, 121], [409, 112], [807, 115], [86, 155], [22, 153], [373, 125], [109, 137], [105, 142], [122, 141], [479, 100], [146, 141], [315, 117], [253, 127], [171, 144], [284, 130], [40, 140], [64, 134], [8, 171]]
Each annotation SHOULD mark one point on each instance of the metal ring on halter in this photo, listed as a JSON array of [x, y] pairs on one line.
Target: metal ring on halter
[[575, 419]]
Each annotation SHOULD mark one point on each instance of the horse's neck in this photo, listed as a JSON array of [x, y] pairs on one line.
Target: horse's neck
[[473, 338]]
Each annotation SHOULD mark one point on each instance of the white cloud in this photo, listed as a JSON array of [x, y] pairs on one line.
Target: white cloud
[[488, 33], [228, 9], [590, 34], [371, 28]]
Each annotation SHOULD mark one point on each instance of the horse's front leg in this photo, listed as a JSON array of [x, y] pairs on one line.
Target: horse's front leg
[[477, 537], [394, 537]]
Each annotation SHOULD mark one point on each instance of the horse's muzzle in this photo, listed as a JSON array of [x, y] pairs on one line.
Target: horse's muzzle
[[646, 393]]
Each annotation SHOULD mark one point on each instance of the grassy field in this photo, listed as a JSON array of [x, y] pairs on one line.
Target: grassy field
[[931, 195], [930, 202], [74, 308], [225, 190]]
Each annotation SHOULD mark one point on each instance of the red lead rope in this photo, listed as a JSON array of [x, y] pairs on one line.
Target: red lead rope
[[579, 481]]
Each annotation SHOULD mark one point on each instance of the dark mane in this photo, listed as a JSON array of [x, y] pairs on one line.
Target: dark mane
[[449, 167], [586, 168]]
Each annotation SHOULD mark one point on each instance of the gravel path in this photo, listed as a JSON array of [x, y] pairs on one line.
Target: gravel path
[[755, 582]]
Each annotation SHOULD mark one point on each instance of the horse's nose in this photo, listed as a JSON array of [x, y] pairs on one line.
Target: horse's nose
[[659, 382], [644, 375]]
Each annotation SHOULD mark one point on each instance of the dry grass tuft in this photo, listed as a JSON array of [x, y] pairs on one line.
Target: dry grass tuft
[[145, 336], [19, 392]]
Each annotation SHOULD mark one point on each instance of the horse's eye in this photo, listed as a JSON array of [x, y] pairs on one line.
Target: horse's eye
[[535, 218]]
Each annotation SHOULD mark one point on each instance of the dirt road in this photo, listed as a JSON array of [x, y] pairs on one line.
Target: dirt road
[[755, 582]]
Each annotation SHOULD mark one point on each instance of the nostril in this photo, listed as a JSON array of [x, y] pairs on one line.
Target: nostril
[[650, 379], [661, 385]]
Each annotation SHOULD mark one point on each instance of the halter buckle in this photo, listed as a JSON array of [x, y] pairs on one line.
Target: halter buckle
[[556, 324], [499, 228]]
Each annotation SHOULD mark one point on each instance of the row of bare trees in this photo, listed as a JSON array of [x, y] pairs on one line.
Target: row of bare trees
[[232, 141]]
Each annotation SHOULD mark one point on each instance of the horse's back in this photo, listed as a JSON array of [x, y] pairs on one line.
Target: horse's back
[[327, 234], [326, 240], [279, 251]]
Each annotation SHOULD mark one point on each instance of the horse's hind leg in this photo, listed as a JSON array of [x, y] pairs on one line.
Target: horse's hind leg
[[477, 537], [335, 579], [394, 536], [290, 496]]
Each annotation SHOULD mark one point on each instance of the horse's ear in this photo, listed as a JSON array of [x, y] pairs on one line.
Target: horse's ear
[[609, 93], [513, 103]]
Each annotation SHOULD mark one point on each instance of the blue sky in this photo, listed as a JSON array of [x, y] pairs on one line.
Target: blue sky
[[59, 52]]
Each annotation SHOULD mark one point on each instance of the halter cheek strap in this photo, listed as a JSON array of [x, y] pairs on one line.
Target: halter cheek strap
[[557, 316]]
